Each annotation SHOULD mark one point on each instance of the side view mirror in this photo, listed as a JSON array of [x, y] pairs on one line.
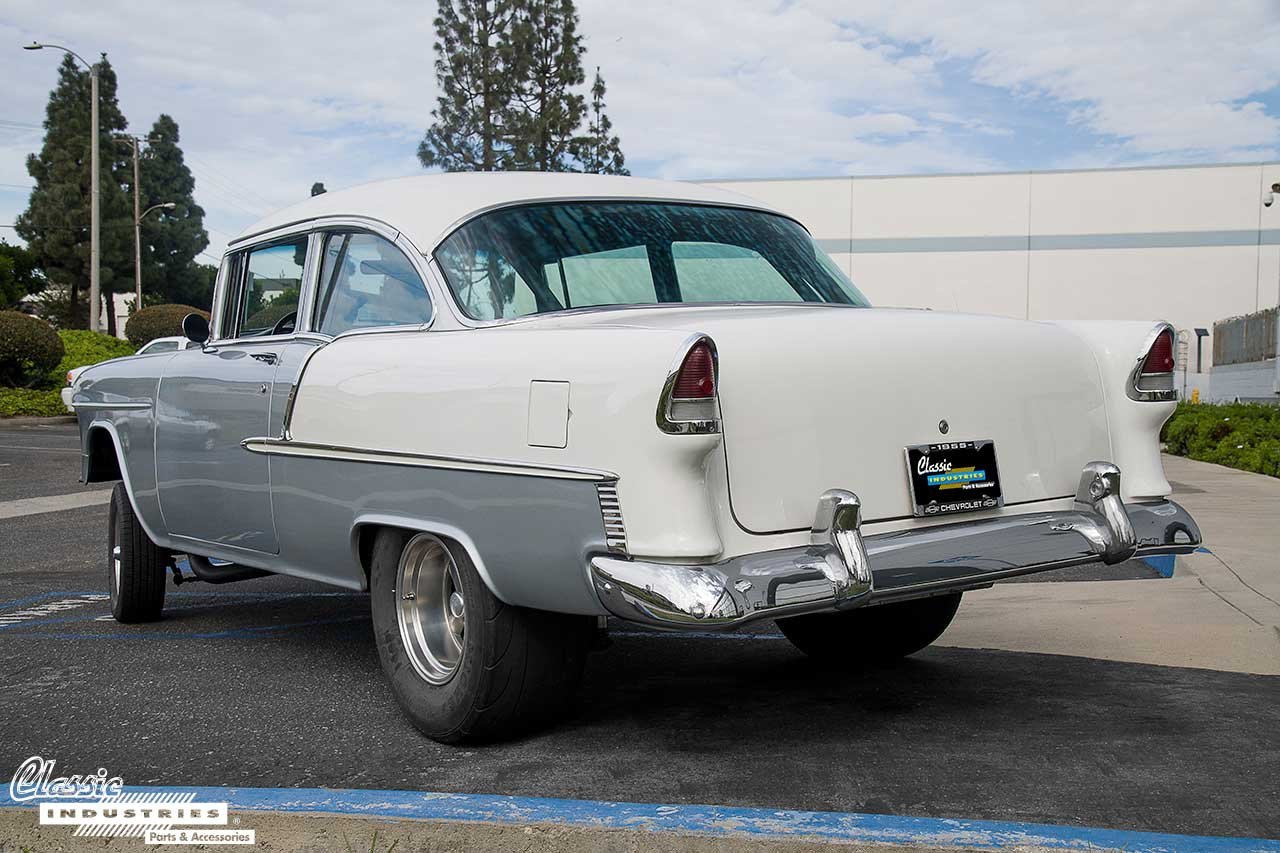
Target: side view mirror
[[196, 328]]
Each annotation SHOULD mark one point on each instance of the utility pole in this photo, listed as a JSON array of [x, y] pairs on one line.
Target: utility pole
[[95, 215], [138, 216], [137, 228], [95, 181]]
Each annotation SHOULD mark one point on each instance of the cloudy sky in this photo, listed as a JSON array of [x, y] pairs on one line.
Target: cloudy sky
[[271, 97]]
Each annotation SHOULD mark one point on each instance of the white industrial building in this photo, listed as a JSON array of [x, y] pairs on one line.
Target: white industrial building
[[1190, 245]]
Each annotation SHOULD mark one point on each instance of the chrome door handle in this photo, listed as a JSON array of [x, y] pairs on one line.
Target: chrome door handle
[[265, 357]]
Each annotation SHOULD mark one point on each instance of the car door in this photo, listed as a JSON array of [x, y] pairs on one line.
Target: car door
[[214, 397]]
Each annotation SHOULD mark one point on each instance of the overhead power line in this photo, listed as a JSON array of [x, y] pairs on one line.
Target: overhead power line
[[247, 192]]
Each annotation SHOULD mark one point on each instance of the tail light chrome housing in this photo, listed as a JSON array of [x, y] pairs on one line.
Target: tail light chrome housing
[[688, 403], [1152, 378]]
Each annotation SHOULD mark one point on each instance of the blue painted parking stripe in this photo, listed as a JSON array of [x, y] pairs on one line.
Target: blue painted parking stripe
[[724, 821], [1162, 563]]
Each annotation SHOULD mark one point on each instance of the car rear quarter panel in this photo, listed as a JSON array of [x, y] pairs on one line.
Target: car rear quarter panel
[[466, 395]]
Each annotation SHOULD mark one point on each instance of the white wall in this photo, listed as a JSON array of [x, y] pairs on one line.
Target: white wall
[[1189, 245]]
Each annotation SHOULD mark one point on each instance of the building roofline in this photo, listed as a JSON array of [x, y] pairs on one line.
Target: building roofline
[[1010, 173]]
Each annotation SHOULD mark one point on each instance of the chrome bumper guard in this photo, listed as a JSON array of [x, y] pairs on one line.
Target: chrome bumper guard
[[840, 569]]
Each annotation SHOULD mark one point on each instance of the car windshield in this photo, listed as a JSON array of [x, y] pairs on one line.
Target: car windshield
[[541, 258]]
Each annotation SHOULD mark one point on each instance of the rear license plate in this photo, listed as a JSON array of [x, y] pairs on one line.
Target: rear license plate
[[955, 476]]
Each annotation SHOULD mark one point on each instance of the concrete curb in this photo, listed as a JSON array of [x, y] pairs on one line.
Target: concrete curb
[[27, 420]]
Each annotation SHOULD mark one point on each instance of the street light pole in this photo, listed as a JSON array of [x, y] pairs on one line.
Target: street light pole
[[95, 180], [137, 231]]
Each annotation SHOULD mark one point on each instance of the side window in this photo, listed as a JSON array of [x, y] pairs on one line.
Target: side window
[[365, 282], [272, 286], [487, 287], [159, 346]]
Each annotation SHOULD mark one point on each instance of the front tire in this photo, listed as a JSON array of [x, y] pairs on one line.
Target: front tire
[[874, 635], [463, 665], [136, 566]]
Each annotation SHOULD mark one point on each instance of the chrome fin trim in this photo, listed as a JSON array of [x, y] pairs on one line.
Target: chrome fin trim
[[615, 530]]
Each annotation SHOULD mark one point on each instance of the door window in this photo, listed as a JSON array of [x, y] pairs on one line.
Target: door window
[[366, 282], [272, 287]]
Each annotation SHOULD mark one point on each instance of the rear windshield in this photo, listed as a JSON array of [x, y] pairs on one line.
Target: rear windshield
[[552, 257]]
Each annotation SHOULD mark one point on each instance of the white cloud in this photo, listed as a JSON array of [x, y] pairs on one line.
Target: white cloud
[[273, 97], [1160, 77]]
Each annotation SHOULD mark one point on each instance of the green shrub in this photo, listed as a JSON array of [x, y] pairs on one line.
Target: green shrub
[[29, 349], [1239, 435], [157, 321], [84, 348], [30, 402]]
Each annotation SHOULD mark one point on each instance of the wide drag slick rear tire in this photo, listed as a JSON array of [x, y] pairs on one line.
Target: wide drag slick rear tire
[[463, 665], [873, 635], [135, 565]]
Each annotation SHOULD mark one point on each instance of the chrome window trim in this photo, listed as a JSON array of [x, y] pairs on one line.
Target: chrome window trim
[[323, 227], [316, 230], [234, 289], [673, 426], [465, 320], [1161, 395], [745, 204]]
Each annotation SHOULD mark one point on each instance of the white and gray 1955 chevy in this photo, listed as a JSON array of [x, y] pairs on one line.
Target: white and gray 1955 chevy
[[508, 405]]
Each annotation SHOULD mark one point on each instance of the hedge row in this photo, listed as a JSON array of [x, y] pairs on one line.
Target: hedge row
[[157, 321], [32, 402], [1240, 435], [26, 358], [85, 347], [29, 350]]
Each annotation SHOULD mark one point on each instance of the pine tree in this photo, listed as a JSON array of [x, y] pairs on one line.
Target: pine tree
[[171, 239], [19, 275], [477, 68], [56, 221], [546, 111], [599, 151]]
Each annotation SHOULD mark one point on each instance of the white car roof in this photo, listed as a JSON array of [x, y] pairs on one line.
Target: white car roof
[[426, 208]]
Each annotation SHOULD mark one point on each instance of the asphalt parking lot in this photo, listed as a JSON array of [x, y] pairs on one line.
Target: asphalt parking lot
[[1161, 724]]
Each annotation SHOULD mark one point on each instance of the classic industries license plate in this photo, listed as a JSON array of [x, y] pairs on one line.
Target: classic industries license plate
[[955, 476]]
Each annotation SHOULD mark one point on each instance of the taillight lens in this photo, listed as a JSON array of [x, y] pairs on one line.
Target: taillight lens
[[688, 403], [1152, 378], [697, 377], [70, 378], [1160, 357]]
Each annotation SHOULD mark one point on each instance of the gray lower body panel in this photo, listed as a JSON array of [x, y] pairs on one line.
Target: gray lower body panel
[[531, 537]]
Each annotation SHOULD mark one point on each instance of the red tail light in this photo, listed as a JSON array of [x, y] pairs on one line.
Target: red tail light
[[1160, 357], [697, 377]]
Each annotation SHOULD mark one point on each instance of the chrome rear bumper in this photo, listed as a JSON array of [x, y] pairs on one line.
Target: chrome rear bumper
[[841, 569]]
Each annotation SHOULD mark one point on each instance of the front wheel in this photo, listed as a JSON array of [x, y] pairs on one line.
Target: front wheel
[[876, 634], [462, 664], [135, 565]]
